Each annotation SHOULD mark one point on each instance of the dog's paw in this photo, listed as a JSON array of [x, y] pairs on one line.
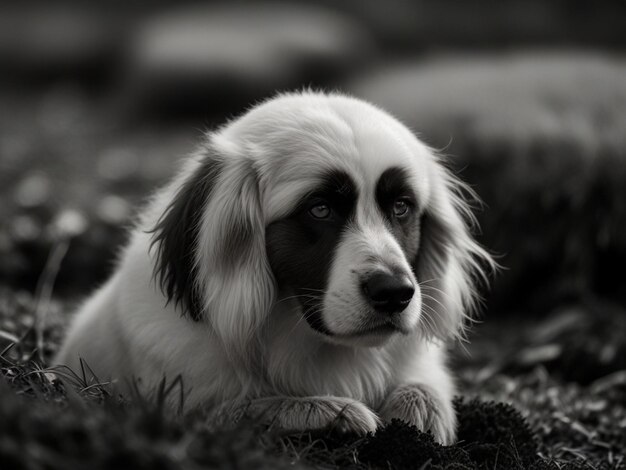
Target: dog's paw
[[339, 414], [420, 406], [348, 416], [292, 414]]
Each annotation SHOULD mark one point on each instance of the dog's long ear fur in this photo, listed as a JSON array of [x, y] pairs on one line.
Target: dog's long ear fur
[[450, 264], [176, 236], [211, 255]]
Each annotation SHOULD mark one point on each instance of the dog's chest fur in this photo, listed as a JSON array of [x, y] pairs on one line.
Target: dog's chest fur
[[311, 367]]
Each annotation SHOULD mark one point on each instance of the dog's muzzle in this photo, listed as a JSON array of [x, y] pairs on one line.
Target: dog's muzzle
[[388, 293]]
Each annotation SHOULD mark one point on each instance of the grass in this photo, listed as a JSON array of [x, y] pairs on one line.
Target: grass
[[510, 418]]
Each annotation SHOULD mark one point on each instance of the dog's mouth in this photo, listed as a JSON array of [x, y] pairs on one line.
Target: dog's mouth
[[375, 328], [382, 329]]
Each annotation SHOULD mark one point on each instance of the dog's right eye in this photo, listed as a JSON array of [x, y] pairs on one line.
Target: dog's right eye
[[320, 211]]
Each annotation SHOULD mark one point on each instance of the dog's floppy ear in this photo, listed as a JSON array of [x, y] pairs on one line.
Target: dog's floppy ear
[[176, 235], [450, 264], [211, 257]]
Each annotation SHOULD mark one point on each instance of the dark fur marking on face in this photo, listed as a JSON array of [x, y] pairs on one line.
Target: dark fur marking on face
[[392, 185], [300, 248], [176, 236]]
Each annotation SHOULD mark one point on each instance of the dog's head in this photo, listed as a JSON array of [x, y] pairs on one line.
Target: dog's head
[[327, 200]]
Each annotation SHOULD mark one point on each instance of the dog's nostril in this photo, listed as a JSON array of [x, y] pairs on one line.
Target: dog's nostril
[[388, 293]]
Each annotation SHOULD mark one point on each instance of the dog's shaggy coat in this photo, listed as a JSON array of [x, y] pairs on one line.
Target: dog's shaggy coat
[[305, 267]]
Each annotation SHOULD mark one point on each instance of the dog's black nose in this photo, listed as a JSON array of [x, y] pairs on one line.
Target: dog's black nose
[[388, 293]]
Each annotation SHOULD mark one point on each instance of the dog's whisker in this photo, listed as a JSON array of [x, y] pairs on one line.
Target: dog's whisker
[[445, 294], [297, 296], [430, 297], [320, 291], [305, 315], [430, 322]]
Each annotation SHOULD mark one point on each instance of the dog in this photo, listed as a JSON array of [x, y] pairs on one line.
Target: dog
[[307, 266]]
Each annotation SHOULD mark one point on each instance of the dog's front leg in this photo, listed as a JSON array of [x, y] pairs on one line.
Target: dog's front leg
[[303, 414], [421, 406]]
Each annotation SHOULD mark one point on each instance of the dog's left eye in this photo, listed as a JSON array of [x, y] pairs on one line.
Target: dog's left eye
[[320, 211], [400, 208]]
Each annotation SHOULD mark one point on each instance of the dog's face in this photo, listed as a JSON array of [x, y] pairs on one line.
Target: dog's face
[[346, 252], [347, 247], [327, 200]]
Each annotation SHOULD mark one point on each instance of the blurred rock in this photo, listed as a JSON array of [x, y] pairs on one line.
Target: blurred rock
[[69, 223], [25, 228], [113, 210], [219, 58], [57, 39], [33, 190], [542, 138]]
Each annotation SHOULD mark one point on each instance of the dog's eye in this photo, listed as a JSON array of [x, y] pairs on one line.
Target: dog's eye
[[400, 208], [320, 211]]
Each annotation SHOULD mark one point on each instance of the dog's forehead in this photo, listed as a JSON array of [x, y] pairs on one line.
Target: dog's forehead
[[365, 161], [295, 144]]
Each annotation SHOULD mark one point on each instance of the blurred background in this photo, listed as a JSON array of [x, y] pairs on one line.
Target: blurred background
[[527, 98]]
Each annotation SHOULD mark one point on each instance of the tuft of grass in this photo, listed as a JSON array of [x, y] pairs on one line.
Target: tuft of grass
[[571, 423]]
